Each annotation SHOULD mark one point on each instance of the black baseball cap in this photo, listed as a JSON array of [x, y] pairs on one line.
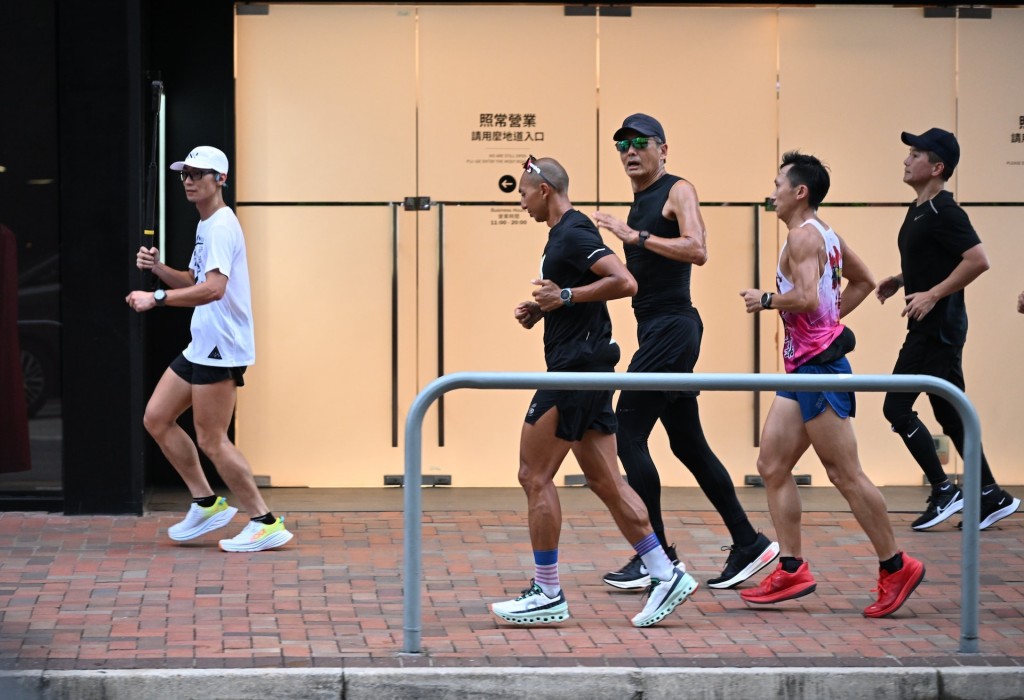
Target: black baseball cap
[[940, 142], [641, 124]]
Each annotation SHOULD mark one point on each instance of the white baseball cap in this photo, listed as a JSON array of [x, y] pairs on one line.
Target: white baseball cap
[[205, 158]]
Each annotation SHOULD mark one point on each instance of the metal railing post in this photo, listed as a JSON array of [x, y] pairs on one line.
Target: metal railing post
[[412, 583]]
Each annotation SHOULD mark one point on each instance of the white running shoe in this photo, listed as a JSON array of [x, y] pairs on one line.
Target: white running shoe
[[664, 596], [533, 607], [257, 537], [198, 521]]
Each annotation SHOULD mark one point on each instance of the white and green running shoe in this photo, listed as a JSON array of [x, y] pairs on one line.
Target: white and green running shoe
[[533, 607], [664, 596], [198, 521], [257, 537]]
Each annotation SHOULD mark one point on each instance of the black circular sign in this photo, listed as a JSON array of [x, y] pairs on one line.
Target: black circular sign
[[506, 183]]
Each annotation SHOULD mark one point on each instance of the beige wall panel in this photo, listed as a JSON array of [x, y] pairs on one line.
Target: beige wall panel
[[852, 79], [420, 347], [316, 408], [992, 367], [990, 108], [708, 75], [326, 103], [417, 310], [510, 60]]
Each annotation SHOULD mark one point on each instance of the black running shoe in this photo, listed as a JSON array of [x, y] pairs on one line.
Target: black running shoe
[[744, 562], [634, 575], [995, 506], [941, 505]]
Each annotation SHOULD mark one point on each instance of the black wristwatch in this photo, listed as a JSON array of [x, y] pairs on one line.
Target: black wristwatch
[[160, 297], [644, 235], [766, 300], [566, 296]]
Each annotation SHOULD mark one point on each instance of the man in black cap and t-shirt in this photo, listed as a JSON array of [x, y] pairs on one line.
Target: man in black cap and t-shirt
[[940, 254], [578, 275], [664, 236]]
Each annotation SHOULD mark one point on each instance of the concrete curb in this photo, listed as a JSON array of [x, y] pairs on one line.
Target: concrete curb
[[960, 683]]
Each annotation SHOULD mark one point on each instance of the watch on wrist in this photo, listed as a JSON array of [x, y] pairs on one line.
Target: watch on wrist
[[160, 297], [766, 300], [566, 296], [644, 235]]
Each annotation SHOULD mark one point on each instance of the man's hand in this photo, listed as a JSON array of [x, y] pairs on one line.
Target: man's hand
[[1020, 303], [752, 300], [621, 231], [548, 295], [887, 287], [141, 301], [528, 313], [919, 304], [147, 258]]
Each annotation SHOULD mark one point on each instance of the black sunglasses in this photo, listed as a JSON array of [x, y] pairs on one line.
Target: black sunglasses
[[195, 175]]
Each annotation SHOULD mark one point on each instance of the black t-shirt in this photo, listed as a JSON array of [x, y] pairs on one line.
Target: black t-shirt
[[933, 238], [663, 285], [575, 337]]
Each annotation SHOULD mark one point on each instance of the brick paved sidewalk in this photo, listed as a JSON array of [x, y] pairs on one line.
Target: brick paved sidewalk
[[96, 592]]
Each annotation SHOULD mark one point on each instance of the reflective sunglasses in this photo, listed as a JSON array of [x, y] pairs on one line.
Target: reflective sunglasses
[[195, 175], [531, 166], [637, 142]]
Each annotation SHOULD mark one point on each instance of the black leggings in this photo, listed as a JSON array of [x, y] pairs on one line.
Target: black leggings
[[921, 354], [637, 412], [899, 411]]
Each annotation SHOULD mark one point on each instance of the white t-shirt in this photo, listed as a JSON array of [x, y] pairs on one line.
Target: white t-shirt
[[222, 331]]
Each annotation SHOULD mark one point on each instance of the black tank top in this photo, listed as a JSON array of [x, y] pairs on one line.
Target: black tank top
[[663, 284]]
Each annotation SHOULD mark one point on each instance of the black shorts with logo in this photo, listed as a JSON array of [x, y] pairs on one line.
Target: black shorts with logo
[[206, 374], [580, 410]]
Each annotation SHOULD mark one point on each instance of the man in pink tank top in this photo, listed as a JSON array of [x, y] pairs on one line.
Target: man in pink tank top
[[812, 264]]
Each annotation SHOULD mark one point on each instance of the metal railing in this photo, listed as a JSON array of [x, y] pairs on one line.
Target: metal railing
[[413, 565]]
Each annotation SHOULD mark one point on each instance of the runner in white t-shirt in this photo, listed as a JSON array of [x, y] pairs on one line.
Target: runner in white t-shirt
[[222, 331], [206, 376]]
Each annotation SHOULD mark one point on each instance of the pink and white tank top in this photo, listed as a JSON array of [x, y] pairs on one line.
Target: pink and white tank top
[[809, 333]]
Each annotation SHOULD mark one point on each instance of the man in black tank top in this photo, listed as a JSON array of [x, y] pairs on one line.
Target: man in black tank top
[[664, 236]]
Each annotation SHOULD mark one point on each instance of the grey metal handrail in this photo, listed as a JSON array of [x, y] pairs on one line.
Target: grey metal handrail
[[412, 583]]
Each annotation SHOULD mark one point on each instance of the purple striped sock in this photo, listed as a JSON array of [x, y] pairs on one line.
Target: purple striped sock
[[546, 571], [654, 557]]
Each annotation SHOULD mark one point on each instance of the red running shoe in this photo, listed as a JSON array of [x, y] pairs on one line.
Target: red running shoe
[[781, 585], [894, 589]]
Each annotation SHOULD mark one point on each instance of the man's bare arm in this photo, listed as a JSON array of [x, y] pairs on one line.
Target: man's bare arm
[[859, 280], [691, 246]]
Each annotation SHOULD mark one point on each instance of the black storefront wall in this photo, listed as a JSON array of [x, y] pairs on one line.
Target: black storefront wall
[[98, 142], [106, 57]]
